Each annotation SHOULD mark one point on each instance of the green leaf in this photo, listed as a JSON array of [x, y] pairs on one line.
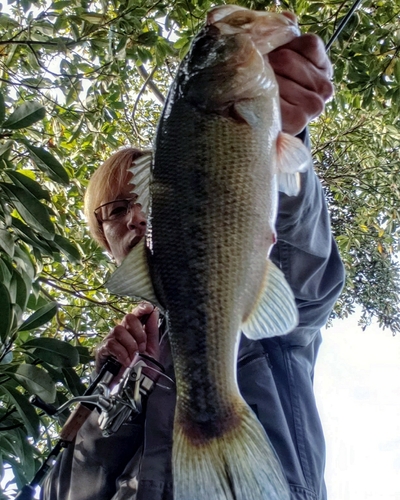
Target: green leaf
[[53, 351], [8, 22], [31, 210], [2, 108], [25, 115], [26, 454], [5, 273], [40, 317], [8, 358], [92, 17], [7, 242], [48, 163], [397, 71], [20, 288], [61, 4], [24, 408], [73, 382], [36, 300], [30, 185], [6, 312], [7, 448], [54, 372], [149, 38], [121, 44], [17, 468], [183, 41], [6, 439], [5, 149], [85, 355], [36, 381], [26, 234], [68, 248], [23, 259]]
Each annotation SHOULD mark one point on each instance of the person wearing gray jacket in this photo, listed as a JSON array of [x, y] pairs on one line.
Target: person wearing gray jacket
[[275, 375]]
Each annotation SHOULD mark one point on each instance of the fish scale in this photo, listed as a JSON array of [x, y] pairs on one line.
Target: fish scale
[[213, 194], [216, 259]]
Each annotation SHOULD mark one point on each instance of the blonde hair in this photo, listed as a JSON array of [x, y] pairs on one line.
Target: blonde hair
[[105, 186]]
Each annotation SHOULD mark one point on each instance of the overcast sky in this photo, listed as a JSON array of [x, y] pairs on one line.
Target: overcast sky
[[357, 383]]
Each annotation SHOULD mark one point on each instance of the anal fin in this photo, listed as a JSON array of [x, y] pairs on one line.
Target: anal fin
[[275, 312], [132, 278]]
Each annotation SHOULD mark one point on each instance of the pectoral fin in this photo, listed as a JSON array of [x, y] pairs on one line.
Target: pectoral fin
[[141, 170], [133, 278], [275, 312], [292, 157]]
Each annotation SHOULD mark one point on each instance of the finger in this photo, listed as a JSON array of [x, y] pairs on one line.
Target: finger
[[118, 344], [146, 334], [312, 48], [293, 67], [153, 335], [295, 119], [143, 309], [312, 103], [299, 107], [136, 330]]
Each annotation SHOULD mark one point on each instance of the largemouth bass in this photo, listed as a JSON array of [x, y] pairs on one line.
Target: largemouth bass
[[220, 158]]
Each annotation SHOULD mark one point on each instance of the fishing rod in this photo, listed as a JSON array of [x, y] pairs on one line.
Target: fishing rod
[[70, 428], [115, 405], [343, 23]]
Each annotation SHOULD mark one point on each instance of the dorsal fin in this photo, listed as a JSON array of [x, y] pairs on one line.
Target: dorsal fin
[[141, 170]]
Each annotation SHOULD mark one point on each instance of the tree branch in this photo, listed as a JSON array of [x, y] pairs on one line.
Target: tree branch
[[41, 44], [78, 294], [149, 82]]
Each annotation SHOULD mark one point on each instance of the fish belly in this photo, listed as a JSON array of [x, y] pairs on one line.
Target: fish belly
[[213, 208], [214, 203]]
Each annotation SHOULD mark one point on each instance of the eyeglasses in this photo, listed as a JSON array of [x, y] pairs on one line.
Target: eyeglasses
[[114, 210]]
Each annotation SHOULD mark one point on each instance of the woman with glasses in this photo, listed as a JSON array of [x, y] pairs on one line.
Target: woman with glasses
[[275, 375]]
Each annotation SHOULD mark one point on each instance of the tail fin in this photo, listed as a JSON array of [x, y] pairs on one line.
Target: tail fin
[[239, 465]]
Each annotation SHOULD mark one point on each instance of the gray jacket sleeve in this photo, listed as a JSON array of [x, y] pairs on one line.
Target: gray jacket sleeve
[[308, 256], [276, 375]]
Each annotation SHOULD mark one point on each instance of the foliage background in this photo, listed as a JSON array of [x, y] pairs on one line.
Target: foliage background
[[79, 79]]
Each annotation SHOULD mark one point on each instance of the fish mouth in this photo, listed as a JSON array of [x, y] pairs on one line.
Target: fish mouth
[[267, 30]]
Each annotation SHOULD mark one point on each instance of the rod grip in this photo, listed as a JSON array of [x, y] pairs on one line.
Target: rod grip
[[74, 423]]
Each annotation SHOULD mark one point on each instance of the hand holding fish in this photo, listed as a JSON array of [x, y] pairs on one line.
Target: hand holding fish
[[131, 336], [303, 72]]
